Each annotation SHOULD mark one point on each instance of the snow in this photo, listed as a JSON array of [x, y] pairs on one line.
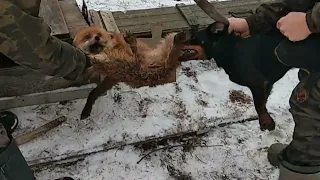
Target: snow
[[128, 115]]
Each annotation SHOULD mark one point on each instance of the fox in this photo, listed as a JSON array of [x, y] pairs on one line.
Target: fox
[[122, 57]]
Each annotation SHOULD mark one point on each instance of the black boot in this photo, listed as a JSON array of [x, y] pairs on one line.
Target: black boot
[[9, 121]]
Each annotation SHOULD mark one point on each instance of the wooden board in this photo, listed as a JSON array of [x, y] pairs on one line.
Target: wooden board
[[138, 21], [44, 97], [109, 22], [51, 13], [95, 18], [73, 16]]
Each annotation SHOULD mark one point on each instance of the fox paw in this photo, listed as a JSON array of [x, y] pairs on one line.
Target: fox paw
[[180, 37], [129, 37]]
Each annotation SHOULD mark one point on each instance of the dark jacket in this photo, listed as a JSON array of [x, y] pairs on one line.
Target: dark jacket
[[268, 14], [25, 38]]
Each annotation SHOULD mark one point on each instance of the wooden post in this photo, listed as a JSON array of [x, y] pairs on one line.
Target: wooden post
[[156, 32]]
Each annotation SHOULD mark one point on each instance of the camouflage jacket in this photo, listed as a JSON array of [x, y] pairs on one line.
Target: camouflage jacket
[[25, 38], [268, 14]]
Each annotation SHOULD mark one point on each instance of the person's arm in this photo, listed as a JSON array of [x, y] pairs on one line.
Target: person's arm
[[268, 14], [313, 18], [27, 41], [31, 7], [266, 17]]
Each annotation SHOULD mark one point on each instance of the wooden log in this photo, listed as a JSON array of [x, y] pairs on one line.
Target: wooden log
[[29, 136], [51, 13]]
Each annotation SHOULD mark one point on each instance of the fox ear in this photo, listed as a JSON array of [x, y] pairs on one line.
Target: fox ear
[[218, 28]]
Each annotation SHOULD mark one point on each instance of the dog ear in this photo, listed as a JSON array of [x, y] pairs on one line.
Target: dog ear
[[218, 28]]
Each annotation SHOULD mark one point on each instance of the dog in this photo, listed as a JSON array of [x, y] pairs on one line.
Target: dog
[[121, 57], [249, 62]]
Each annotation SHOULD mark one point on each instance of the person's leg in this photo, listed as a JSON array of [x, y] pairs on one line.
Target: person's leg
[[12, 163], [300, 160], [13, 166]]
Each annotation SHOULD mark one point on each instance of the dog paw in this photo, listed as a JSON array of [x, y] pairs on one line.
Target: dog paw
[[180, 37], [266, 122]]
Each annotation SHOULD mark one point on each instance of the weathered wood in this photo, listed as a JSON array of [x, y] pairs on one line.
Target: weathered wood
[[51, 13], [138, 21], [187, 14], [29, 136], [95, 19], [45, 97], [156, 31], [73, 16], [109, 22]]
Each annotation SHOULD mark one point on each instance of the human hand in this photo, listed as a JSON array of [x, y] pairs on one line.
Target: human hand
[[294, 26], [239, 26]]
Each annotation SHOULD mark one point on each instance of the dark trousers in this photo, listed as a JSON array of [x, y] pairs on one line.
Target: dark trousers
[[304, 150], [13, 166]]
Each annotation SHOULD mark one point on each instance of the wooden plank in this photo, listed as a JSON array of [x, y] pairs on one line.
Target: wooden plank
[[108, 21], [175, 16], [156, 31], [29, 136], [73, 16], [44, 97], [187, 14], [176, 22], [95, 19], [51, 13], [172, 10]]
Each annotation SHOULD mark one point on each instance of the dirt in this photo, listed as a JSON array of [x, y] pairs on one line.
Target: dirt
[[190, 73], [187, 142], [238, 96], [143, 106], [178, 175]]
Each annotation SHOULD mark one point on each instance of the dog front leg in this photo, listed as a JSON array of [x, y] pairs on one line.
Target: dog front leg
[[260, 95]]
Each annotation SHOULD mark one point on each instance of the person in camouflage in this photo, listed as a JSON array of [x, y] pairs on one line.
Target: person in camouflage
[[26, 39], [299, 21]]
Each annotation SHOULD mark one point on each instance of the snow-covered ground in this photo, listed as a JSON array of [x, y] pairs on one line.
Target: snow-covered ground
[[196, 102]]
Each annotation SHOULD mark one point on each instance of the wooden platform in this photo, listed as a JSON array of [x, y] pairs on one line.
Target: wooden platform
[[173, 18], [65, 19]]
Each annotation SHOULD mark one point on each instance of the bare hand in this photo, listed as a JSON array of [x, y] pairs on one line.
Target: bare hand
[[239, 26], [294, 26]]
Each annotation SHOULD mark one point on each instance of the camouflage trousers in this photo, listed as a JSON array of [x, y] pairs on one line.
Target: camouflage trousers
[[304, 150]]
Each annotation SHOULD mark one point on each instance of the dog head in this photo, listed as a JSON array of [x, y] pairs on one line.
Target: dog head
[[206, 42], [93, 40]]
